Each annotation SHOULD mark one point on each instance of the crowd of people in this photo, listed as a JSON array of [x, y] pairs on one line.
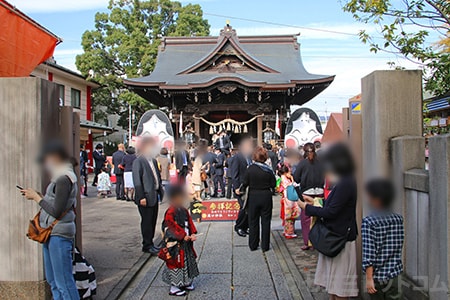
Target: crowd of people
[[316, 186]]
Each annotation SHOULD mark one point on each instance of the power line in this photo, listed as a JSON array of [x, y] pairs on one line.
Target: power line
[[281, 24]]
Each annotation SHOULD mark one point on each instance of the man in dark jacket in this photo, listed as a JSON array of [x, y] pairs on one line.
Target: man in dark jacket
[[272, 156], [229, 165], [182, 161], [148, 191], [117, 158], [99, 162], [84, 160], [210, 157], [238, 169], [219, 172], [223, 142]]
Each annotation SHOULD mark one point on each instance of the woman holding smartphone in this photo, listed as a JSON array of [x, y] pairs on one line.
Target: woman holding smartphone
[[58, 203]]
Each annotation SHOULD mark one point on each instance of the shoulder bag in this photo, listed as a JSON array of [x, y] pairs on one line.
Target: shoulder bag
[[291, 193], [326, 241], [39, 234]]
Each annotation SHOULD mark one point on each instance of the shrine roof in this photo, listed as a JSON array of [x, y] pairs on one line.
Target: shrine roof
[[253, 61]]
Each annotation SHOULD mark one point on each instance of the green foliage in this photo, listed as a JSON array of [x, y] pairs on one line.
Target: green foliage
[[405, 27], [124, 44]]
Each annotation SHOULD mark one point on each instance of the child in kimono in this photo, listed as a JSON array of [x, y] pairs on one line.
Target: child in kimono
[[104, 184], [179, 235], [289, 209]]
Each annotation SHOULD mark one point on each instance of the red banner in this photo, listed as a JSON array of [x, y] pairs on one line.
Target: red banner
[[24, 44], [220, 210]]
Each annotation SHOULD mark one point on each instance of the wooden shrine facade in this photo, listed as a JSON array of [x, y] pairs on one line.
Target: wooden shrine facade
[[209, 79]]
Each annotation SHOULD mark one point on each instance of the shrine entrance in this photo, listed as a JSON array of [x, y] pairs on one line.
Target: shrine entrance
[[239, 124], [236, 83]]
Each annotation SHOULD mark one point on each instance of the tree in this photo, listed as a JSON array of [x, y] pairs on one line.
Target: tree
[[124, 44], [406, 27]]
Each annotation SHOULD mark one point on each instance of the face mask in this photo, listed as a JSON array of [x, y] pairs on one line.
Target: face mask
[[49, 167]]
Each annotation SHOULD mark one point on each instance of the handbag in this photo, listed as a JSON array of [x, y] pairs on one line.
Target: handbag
[[39, 234], [203, 176], [326, 241], [291, 193]]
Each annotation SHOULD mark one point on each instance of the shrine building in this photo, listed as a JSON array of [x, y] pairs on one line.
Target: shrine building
[[239, 83]]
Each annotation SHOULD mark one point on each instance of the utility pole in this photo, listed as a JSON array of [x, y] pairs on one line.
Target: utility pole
[[130, 124]]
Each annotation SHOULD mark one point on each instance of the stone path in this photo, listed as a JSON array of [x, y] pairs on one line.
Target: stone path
[[111, 239], [229, 270]]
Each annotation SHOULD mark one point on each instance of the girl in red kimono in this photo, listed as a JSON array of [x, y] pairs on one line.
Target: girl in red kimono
[[289, 209], [179, 234]]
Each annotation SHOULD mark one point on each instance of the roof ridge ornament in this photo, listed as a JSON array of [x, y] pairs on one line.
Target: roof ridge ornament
[[228, 30]]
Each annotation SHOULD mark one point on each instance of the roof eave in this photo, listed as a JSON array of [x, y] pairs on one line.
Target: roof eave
[[262, 84]]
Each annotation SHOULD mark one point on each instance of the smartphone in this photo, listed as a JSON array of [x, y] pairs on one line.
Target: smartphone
[[19, 187]]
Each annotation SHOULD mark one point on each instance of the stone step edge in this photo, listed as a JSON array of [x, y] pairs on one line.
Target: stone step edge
[[295, 280]]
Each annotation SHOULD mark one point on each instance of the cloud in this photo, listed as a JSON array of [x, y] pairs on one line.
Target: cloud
[[51, 6], [68, 52]]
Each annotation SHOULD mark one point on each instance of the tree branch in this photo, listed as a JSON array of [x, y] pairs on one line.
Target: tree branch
[[438, 8]]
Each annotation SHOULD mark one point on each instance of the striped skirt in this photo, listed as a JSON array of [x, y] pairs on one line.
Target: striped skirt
[[184, 276]]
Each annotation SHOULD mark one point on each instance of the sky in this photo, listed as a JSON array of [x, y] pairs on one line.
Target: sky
[[327, 52]]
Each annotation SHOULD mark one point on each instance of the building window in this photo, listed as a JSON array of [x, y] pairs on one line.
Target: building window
[[76, 98], [62, 95]]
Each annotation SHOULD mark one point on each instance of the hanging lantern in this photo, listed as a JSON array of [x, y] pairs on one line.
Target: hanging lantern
[[211, 130], [236, 129], [228, 126], [223, 126], [245, 128]]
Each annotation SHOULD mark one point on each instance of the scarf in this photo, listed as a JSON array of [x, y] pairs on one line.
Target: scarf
[[64, 170], [264, 167]]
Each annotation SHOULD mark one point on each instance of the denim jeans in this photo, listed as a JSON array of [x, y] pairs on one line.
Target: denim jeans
[[58, 268]]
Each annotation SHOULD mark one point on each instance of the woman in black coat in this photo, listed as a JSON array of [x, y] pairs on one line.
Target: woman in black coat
[[338, 274], [260, 181]]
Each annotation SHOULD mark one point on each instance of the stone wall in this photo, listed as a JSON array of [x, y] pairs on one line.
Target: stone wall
[[29, 116]]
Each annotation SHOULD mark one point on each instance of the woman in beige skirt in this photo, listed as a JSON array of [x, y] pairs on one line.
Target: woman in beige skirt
[[338, 274]]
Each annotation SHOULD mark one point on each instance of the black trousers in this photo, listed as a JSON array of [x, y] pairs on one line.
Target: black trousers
[[96, 172], [218, 181], [119, 186], [182, 175], [242, 219], [149, 216], [229, 188], [260, 206]]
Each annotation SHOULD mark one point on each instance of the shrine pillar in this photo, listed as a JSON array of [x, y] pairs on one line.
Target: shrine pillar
[[197, 127], [259, 130]]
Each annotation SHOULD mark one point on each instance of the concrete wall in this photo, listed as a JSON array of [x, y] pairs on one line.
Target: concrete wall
[[439, 227], [391, 107], [29, 115], [424, 202]]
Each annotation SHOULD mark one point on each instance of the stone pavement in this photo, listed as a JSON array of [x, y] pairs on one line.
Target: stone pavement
[[229, 270]]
